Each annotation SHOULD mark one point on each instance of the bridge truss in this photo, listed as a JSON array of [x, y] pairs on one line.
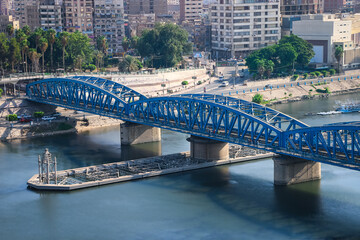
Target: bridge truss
[[215, 117]]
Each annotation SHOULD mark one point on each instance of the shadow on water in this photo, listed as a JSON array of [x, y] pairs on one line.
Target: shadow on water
[[295, 211]]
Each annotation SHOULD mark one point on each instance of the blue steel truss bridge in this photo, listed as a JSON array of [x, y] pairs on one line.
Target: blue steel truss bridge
[[213, 117]]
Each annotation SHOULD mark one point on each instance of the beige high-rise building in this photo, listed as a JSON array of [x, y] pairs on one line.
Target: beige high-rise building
[[50, 14], [240, 27], [5, 7], [109, 22], [5, 20], [301, 7], [159, 7], [190, 10], [26, 12], [78, 16]]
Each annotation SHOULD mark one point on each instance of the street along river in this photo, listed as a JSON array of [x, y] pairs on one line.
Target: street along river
[[229, 202]]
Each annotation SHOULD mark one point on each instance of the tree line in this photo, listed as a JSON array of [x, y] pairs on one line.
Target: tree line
[[41, 50], [290, 52]]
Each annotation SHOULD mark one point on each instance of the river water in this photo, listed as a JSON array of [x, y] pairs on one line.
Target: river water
[[229, 202]]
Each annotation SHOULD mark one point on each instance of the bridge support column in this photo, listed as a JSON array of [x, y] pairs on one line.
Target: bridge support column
[[205, 149], [291, 170], [132, 133]]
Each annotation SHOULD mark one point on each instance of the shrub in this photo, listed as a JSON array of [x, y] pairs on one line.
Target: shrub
[[296, 76], [332, 72], [38, 114], [317, 73], [184, 83], [199, 82], [306, 75], [290, 95], [12, 117], [91, 67], [325, 90], [258, 98], [1, 92], [325, 73], [313, 74]]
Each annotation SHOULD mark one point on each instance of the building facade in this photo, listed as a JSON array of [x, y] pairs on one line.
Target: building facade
[[109, 22], [139, 22], [5, 7], [301, 7], [324, 32], [158, 7], [26, 12], [333, 6], [239, 27], [50, 15], [190, 10], [5, 20], [78, 16]]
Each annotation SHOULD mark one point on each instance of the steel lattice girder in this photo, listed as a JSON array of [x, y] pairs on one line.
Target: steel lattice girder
[[207, 119], [127, 94], [77, 95], [268, 115], [337, 144]]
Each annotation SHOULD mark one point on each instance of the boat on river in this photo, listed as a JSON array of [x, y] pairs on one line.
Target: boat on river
[[349, 107]]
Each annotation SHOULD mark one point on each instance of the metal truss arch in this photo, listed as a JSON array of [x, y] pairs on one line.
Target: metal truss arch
[[206, 119], [266, 114]]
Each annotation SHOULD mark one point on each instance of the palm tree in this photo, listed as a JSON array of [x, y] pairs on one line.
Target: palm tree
[[24, 46], [34, 57], [10, 30], [38, 35], [98, 57], [339, 51], [125, 44], [43, 47], [64, 41], [51, 37], [26, 29]]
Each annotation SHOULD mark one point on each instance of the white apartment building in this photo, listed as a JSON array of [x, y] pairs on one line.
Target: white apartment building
[[241, 26], [109, 22], [324, 32]]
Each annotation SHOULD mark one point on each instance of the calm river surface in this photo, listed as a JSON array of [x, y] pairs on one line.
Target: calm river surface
[[231, 202]]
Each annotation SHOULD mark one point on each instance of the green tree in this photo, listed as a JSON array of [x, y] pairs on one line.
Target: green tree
[[14, 53], [4, 51], [64, 38], [129, 64], [260, 67], [287, 54], [10, 30], [102, 45], [269, 67], [125, 45], [51, 37], [99, 56], [26, 29], [258, 98], [38, 114], [43, 47], [165, 44], [303, 49], [79, 45], [339, 51], [24, 47], [34, 57]]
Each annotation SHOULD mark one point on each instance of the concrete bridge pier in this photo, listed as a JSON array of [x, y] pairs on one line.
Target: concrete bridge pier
[[292, 170], [133, 133], [205, 149]]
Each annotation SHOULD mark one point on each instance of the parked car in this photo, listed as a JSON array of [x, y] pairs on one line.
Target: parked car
[[224, 84], [25, 120], [268, 86], [57, 114], [47, 118], [221, 78]]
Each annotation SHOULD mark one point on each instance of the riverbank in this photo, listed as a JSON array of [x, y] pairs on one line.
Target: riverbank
[[93, 176], [304, 91]]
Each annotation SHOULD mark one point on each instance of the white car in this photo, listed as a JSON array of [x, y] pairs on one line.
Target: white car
[[47, 118], [224, 84]]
